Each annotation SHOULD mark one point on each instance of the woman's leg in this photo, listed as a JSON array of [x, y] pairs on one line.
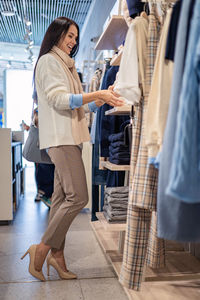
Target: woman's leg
[[69, 197], [72, 180]]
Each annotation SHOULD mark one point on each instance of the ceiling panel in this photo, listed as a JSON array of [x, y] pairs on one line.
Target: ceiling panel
[[15, 15]]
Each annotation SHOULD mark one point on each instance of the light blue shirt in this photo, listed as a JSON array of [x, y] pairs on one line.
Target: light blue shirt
[[76, 101]]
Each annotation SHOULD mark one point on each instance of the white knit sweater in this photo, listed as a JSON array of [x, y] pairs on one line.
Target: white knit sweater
[[54, 112]]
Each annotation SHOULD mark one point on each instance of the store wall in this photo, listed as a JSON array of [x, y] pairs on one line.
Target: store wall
[[92, 29]]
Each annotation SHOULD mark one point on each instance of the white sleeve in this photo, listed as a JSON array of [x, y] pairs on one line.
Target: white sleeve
[[53, 82], [127, 82]]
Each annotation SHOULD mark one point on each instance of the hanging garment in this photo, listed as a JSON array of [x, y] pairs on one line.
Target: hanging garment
[[177, 220], [135, 7], [127, 81], [94, 86], [172, 33], [141, 231], [126, 15], [185, 170], [108, 124], [140, 228], [158, 101]]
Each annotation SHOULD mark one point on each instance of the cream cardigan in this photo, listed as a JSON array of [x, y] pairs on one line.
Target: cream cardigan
[[55, 115]]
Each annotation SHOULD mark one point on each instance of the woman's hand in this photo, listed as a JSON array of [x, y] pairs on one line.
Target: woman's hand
[[99, 103], [111, 87], [103, 96], [110, 97]]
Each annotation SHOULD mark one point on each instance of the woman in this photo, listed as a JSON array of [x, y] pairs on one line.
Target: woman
[[62, 130]]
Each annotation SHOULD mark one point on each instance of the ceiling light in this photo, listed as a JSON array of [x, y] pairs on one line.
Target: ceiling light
[[7, 13], [27, 22], [7, 9], [28, 31]]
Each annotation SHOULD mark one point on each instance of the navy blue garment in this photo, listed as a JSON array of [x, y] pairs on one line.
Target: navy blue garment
[[98, 176], [116, 137], [171, 38], [117, 144], [135, 7], [44, 175], [123, 125], [120, 155], [119, 149], [115, 178], [121, 161], [108, 124], [110, 178]]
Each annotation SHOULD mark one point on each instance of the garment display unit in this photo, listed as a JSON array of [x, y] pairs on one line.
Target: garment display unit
[[120, 110], [111, 236], [11, 175], [108, 236], [113, 167], [113, 35]]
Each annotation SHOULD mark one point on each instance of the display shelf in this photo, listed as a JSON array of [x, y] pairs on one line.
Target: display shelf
[[182, 270], [108, 165], [119, 110], [115, 61], [113, 167], [113, 35]]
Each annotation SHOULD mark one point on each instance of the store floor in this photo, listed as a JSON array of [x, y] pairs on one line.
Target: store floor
[[96, 278]]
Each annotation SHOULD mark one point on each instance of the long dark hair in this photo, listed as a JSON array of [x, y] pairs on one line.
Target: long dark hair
[[56, 30]]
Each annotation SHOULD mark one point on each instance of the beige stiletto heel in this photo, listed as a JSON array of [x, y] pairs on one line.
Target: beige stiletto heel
[[48, 267], [37, 274], [51, 261]]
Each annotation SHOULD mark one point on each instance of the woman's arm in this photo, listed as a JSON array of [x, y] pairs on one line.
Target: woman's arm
[[107, 96]]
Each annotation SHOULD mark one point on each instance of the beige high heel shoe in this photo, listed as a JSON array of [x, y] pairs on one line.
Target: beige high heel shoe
[[37, 274], [51, 261]]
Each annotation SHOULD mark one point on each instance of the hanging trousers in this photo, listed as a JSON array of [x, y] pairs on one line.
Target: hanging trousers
[[142, 247], [70, 193]]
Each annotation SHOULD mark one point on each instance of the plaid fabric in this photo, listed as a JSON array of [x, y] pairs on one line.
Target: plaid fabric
[[141, 242], [144, 177], [153, 39], [135, 247], [156, 247]]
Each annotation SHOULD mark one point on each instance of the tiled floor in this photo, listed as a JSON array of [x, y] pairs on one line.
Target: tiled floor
[[96, 279]]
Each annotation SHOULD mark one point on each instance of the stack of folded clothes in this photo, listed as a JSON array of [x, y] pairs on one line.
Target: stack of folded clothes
[[119, 154], [115, 204]]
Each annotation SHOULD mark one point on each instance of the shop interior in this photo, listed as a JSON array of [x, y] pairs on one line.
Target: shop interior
[[138, 237]]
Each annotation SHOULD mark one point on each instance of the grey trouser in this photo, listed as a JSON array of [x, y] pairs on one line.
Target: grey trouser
[[70, 193]]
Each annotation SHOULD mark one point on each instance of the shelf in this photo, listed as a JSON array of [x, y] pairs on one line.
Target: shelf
[[110, 226], [115, 61], [113, 35], [119, 110], [108, 165], [180, 266]]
